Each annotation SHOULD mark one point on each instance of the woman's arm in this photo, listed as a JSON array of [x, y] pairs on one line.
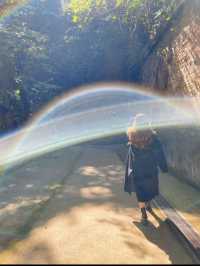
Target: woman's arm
[[160, 156]]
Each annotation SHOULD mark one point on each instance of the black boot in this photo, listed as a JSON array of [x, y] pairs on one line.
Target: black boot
[[144, 219], [148, 207]]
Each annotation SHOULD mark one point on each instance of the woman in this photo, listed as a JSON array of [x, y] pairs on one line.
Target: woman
[[144, 158]]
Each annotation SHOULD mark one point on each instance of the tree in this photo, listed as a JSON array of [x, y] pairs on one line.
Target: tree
[[45, 52]]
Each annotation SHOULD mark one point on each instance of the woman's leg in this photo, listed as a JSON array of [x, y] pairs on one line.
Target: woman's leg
[[141, 205], [148, 206], [143, 212]]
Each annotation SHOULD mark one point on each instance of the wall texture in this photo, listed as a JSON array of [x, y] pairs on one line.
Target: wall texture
[[173, 67]]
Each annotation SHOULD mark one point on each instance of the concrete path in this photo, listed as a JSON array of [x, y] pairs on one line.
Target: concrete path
[[88, 218], [183, 197]]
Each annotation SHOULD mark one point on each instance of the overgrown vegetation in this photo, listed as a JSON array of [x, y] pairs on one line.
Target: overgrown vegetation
[[45, 51], [129, 12]]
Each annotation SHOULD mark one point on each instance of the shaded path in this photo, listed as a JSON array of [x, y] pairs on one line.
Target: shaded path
[[91, 220]]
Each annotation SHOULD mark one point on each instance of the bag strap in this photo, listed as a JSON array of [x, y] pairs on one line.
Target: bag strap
[[129, 159]]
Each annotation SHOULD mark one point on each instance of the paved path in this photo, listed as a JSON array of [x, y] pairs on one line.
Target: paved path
[[89, 219]]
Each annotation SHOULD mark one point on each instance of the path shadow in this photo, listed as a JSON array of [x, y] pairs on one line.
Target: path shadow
[[162, 237], [27, 190], [157, 233], [92, 182]]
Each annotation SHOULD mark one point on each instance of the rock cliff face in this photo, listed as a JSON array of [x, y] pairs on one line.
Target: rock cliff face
[[174, 67]]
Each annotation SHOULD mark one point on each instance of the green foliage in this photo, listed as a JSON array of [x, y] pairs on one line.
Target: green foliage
[[80, 6], [151, 13], [44, 53]]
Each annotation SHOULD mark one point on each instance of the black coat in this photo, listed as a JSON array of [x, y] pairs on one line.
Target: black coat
[[142, 168]]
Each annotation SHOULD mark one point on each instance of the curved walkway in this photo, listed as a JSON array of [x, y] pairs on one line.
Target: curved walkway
[[89, 219]]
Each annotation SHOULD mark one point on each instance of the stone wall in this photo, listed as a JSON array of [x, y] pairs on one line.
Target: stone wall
[[182, 148], [173, 67]]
